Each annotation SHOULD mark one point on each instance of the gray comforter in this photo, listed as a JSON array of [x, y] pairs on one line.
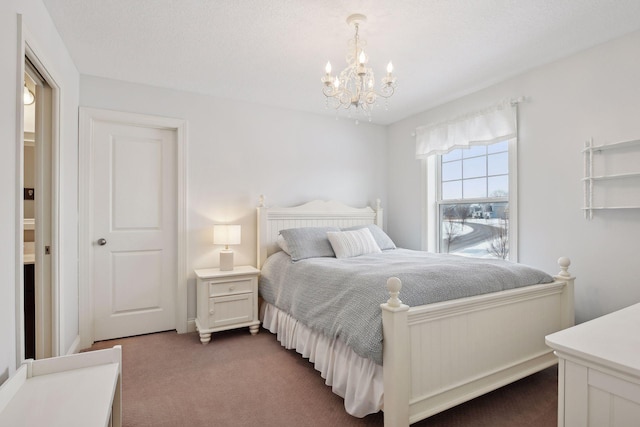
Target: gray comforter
[[341, 297]]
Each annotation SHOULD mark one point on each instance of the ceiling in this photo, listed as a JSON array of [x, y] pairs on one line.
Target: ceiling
[[273, 52]]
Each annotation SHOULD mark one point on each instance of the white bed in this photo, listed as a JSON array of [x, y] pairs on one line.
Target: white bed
[[426, 349]]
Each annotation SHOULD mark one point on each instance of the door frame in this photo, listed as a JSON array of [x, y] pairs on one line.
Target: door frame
[[46, 301], [88, 116], [47, 330]]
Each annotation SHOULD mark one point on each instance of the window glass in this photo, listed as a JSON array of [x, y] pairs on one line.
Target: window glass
[[498, 147], [452, 190], [475, 229], [498, 186], [452, 155], [451, 170], [474, 167], [473, 151], [473, 205], [474, 188], [498, 164]]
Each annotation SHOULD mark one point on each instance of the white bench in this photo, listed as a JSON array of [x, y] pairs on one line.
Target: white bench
[[81, 390]]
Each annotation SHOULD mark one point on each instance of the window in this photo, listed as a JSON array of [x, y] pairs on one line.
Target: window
[[471, 200], [470, 182]]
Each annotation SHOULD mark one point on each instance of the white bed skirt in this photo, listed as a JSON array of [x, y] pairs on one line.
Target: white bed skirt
[[356, 379]]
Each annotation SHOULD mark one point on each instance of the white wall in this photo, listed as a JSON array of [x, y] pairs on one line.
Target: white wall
[[45, 39], [596, 94], [238, 151]]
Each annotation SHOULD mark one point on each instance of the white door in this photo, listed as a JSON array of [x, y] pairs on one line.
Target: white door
[[134, 229]]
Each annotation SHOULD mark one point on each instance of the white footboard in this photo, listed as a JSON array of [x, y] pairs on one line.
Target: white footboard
[[439, 355]]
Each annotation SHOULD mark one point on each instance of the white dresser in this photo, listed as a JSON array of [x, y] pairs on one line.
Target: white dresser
[[599, 371]]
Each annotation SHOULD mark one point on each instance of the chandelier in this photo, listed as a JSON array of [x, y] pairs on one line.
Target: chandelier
[[354, 86]]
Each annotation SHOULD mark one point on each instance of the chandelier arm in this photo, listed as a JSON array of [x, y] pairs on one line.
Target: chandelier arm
[[387, 91], [329, 91]]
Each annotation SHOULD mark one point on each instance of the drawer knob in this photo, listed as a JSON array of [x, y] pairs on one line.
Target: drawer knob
[[211, 311], [232, 287]]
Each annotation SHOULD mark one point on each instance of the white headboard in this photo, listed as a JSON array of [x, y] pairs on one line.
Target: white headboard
[[316, 213]]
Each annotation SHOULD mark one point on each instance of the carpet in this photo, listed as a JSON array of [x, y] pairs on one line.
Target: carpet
[[171, 380]]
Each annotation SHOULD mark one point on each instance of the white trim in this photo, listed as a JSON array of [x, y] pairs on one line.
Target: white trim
[[75, 346], [429, 210], [87, 117], [513, 198], [85, 300], [191, 325], [29, 48], [182, 322], [19, 262], [49, 322]]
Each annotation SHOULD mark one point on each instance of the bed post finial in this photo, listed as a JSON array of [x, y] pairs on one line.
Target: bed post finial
[[261, 201], [393, 286], [378, 204], [564, 264]]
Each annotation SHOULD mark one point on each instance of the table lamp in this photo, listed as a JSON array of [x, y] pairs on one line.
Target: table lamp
[[226, 234]]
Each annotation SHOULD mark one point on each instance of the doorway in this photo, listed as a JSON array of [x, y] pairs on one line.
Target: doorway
[[36, 235], [132, 254]]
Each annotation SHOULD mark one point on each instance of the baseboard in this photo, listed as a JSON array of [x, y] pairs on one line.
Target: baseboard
[[191, 325], [75, 346]]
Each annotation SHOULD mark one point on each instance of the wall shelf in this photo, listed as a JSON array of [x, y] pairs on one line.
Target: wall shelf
[[590, 180], [615, 176], [611, 146], [603, 208]]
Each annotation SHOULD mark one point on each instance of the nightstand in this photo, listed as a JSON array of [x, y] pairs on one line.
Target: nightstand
[[227, 300]]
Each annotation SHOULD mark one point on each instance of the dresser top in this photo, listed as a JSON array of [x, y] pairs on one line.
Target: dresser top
[[612, 340]]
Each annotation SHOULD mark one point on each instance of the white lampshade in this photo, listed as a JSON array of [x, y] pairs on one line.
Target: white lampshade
[[226, 234]]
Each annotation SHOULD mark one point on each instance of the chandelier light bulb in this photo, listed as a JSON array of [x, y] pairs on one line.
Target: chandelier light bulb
[[327, 68], [390, 68], [362, 58], [336, 83]]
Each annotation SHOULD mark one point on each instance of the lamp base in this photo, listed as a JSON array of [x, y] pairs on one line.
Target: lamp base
[[226, 260]]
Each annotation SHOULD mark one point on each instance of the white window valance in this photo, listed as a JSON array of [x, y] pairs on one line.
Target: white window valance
[[489, 125]]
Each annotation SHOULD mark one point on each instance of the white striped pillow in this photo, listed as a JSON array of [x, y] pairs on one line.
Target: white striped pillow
[[347, 244]]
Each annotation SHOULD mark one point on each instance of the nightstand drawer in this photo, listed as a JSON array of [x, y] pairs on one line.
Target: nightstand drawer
[[230, 287], [229, 310]]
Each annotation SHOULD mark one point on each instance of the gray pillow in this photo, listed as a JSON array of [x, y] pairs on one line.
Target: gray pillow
[[381, 238], [308, 242]]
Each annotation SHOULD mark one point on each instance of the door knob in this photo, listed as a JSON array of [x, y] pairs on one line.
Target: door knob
[[102, 242]]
